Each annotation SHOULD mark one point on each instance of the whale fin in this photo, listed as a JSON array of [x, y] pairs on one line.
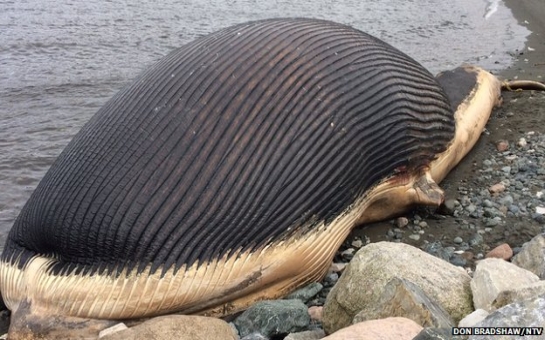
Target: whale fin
[[427, 191]]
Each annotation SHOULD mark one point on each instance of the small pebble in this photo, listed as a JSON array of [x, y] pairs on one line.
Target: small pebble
[[476, 214], [467, 255], [348, 254], [401, 222], [114, 329], [490, 222], [315, 313], [458, 240], [337, 267], [433, 247], [503, 251], [490, 212], [449, 206], [488, 203], [458, 261], [539, 218], [507, 200], [514, 209], [502, 146], [357, 244], [415, 237], [331, 279], [445, 253], [306, 293]]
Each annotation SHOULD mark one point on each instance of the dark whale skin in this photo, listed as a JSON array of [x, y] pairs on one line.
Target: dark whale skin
[[233, 141]]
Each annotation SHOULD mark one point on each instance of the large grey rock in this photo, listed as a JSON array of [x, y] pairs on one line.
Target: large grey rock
[[400, 297], [376, 264], [473, 318], [274, 317], [529, 313], [519, 294], [532, 256], [493, 276], [187, 327], [429, 333]]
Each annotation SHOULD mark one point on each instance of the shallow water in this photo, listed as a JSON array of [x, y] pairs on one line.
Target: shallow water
[[61, 60]]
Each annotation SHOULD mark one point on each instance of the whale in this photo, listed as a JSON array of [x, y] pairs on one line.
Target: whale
[[231, 171]]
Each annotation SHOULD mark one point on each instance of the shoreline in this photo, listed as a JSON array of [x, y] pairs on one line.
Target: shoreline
[[530, 63]]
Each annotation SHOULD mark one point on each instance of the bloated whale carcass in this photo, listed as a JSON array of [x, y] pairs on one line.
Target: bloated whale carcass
[[231, 171]]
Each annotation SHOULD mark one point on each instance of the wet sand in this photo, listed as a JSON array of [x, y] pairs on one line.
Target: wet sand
[[531, 61]]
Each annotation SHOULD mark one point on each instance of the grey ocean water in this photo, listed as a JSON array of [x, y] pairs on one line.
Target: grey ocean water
[[61, 60]]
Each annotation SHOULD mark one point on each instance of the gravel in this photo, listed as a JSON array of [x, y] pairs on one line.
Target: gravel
[[495, 205]]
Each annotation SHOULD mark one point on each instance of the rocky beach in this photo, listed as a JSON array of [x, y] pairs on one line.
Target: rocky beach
[[478, 260]]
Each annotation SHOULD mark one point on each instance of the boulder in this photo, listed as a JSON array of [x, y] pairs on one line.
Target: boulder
[[430, 333], [532, 256], [493, 276], [383, 329], [273, 318], [518, 294], [528, 313], [473, 318], [403, 298], [361, 285], [169, 327]]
